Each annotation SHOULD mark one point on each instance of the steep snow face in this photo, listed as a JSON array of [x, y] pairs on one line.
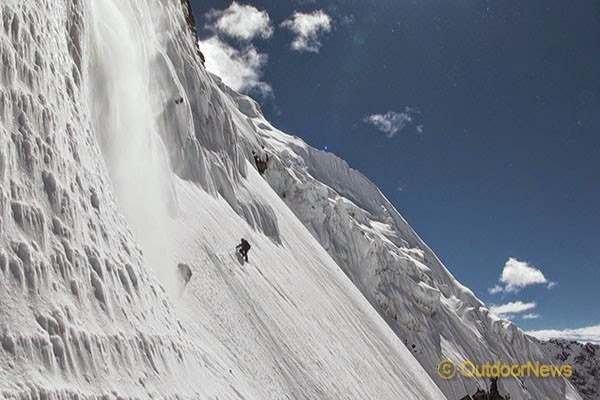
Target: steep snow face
[[120, 157], [585, 359], [433, 314]]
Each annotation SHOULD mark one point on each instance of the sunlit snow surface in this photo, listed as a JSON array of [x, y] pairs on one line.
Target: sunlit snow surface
[[106, 184], [432, 313]]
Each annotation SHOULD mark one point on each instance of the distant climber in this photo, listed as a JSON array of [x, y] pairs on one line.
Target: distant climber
[[256, 159], [494, 393], [243, 248], [261, 159], [179, 100], [494, 386]]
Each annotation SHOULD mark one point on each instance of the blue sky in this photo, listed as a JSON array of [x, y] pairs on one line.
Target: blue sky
[[480, 121]]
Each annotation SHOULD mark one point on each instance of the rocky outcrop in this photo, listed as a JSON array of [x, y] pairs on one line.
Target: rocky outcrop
[[585, 359], [492, 394], [191, 21]]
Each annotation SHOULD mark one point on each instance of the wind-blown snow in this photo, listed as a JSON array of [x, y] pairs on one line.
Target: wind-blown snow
[[108, 182], [123, 112]]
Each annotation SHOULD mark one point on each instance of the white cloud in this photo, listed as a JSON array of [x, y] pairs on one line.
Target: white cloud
[[519, 274], [586, 334], [242, 22], [531, 316], [308, 29], [393, 122], [241, 70], [509, 309], [496, 289]]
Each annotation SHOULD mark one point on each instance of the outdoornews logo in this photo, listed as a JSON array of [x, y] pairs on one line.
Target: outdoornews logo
[[447, 369]]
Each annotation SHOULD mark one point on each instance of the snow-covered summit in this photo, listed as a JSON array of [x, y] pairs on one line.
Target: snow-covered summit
[[121, 157]]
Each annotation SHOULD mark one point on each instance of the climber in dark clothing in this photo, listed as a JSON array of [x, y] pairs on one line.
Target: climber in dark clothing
[[256, 158], [243, 248], [494, 394], [261, 160]]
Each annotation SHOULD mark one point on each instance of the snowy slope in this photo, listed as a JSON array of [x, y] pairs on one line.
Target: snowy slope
[[585, 359], [106, 184], [434, 315]]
